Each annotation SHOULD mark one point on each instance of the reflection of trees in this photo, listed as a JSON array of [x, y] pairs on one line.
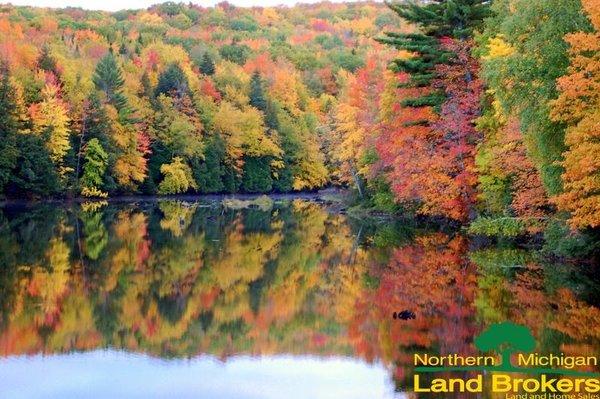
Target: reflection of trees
[[175, 279], [430, 277], [96, 236], [179, 279], [9, 250], [518, 286]]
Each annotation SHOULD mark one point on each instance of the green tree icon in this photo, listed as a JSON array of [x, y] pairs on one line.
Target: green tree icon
[[506, 338]]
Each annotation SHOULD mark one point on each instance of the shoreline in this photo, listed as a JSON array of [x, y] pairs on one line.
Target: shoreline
[[309, 195]]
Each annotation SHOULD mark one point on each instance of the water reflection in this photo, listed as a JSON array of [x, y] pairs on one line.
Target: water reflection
[[178, 279]]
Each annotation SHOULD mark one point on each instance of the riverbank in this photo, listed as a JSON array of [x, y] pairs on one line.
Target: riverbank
[[329, 194]]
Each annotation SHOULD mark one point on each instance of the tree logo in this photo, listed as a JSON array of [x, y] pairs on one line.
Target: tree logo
[[506, 338]]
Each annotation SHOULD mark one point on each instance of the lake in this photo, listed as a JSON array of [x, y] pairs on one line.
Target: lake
[[173, 298]]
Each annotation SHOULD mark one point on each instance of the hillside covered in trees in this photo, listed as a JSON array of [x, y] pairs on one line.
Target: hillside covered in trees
[[177, 98], [476, 111]]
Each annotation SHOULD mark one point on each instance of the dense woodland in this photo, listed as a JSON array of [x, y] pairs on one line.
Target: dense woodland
[[178, 98], [480, 112]]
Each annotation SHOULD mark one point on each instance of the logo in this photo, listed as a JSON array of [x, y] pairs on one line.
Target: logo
[[554, 374]]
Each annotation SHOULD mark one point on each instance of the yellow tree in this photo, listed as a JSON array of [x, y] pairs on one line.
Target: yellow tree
[[130, 166], [351, 142], [244, 133], [579, 107], [50, 119], [357, 121]]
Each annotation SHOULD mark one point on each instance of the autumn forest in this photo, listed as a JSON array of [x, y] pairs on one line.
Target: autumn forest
[[478, 112], [240, 188]]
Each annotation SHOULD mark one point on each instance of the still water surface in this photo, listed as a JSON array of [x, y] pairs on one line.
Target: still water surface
[[195, 299]]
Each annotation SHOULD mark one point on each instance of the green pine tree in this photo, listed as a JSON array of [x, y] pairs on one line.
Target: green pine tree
[[257, 175], [209, 172], [172, 80], [35, 174], [45, 61], [97, 122], [207, 65], [440, 18], [95, 125], [257, 95], [108, 78]]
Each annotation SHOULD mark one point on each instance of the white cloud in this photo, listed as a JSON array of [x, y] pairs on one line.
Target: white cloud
[[114, 5]]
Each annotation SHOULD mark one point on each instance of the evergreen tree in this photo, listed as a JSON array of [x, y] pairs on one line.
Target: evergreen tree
[[8, 126], [96, 122], [172, 80], [285, 178], [109, 79], [207, 65], [257, 175], [209, 172], [35, 173], [95, 125], [441, 18], [257, 95], [231, 180], [440, 97], [147, 91], [271, 118], [46, 62], [146, 86], [160, 155]]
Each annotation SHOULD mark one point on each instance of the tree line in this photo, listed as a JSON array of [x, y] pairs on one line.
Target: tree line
[[173, 99], [476, 111]]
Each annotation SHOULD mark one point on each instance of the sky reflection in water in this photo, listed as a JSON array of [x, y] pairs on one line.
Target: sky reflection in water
[[112, 374]]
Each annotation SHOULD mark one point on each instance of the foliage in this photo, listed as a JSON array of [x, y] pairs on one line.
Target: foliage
[[562, 241], [487, 109], [34, 174], [209, 171], [457, 19], [207, 65], [523, 55], [51, 121], [172, 81], [108, 78], [177, 177], [235, 53], [499, 227], [257, 96], [93, 192], [257, 175], [9, 129], [429, 145], [95, 164], [577, 106], [165, 279], [215, 86]]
